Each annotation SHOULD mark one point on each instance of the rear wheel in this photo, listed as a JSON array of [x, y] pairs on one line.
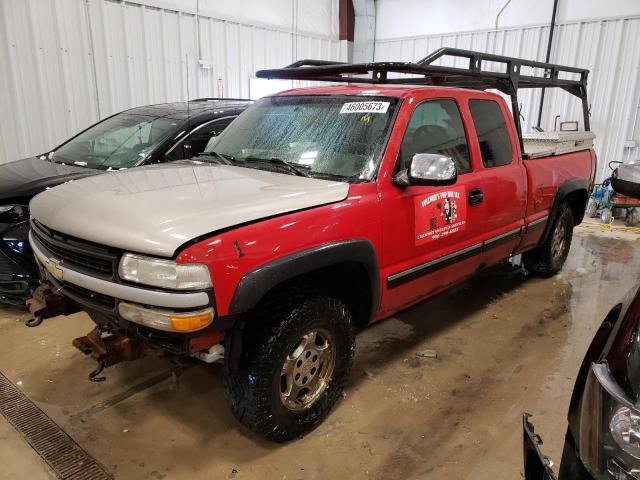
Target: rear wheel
[[295, 358], [548, 259]]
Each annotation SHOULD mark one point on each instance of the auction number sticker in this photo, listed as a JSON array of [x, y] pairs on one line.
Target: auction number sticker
[[365, 107], [440, 214]]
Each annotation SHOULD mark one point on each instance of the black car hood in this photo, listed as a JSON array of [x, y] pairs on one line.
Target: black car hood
[[27, 177]]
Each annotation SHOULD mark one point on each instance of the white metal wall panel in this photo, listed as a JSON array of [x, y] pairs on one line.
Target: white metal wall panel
[[64, 64], [609, 48]]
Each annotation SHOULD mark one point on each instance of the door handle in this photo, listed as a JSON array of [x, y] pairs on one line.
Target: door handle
[[475, 196]]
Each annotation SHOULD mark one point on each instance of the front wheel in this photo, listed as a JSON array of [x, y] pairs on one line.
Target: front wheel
[[548, 259], [294, 361]]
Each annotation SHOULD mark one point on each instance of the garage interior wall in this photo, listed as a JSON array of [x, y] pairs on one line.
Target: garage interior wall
[[608, 46], [65, 64]]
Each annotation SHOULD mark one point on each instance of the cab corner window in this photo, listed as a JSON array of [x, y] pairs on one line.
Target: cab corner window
[[492, 132], [436, 127]]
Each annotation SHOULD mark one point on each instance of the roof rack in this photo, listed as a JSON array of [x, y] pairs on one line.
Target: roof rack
[[508, 80]]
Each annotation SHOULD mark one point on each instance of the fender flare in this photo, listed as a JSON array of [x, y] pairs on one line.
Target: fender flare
[[570, 186], [256, 283]]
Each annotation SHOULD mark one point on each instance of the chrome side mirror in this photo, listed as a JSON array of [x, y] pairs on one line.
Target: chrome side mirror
[[430, 169]]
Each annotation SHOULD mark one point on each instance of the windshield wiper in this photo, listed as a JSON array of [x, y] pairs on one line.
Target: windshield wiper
[[226, 159], [292, 167]]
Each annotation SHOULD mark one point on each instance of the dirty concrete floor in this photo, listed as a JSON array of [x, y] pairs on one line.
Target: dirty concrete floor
[[505, 344]]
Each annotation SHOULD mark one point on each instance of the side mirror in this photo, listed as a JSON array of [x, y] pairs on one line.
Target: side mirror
[[429, 169]]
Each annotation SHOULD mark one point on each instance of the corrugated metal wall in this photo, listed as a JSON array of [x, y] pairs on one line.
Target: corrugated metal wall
[[64, 64], [609, 48]]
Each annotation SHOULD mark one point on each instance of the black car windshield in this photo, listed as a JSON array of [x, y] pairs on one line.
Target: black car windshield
[[122, 141], [320, 135]]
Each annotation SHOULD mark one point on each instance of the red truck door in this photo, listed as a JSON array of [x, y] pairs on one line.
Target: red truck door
[[501, 176], [432, 236]]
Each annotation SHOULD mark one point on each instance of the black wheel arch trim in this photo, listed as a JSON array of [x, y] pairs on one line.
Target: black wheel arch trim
[[567, 188], [257, 283]]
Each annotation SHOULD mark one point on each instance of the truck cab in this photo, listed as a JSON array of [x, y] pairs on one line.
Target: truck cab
[[315, 213]]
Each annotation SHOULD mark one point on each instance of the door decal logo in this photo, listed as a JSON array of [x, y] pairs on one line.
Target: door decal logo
[[440, 214]]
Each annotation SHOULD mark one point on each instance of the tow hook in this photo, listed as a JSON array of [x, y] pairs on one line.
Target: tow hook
[[47, 301], [109, 350]]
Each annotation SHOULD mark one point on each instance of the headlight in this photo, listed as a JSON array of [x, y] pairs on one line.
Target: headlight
[[625, 429], [162, 273], [608, 434], [17, 246]]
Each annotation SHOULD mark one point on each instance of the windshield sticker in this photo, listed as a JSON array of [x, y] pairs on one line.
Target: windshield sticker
[[440, 214], [365, 107]]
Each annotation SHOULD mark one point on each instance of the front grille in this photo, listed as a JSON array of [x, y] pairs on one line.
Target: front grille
[[89, 297], [76, 253]]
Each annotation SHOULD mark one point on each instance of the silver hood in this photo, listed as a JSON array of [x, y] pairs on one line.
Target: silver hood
[[154, 210]]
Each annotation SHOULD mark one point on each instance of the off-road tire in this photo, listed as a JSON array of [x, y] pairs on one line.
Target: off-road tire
[[547, 259], [255, 351]]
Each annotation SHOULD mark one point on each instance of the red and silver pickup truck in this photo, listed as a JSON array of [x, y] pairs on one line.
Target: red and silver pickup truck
[[317, 212]]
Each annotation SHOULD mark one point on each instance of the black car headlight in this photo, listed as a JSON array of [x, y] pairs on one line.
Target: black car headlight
[[625, 429], [18, 246], [14, 228], [608, 440]]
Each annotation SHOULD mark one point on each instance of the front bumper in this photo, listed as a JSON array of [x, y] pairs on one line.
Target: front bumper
[[18, 271], [60, 275], [101, 298]]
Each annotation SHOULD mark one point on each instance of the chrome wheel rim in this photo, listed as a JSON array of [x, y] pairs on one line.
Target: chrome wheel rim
[[558, 241], [307, 370]]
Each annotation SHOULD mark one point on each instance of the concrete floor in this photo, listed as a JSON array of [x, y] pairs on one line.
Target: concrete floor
[[505, 344]]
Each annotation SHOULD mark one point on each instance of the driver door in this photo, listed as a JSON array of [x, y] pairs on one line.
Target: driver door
[[431, 235]]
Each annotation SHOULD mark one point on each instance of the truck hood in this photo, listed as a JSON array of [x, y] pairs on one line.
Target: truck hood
[[29, 176], [155, 210]]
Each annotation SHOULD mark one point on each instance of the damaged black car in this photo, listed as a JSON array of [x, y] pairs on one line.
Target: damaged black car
[[139, 136]]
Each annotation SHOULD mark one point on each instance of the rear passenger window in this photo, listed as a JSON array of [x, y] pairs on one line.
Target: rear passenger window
[[436, 127], [493, 135]]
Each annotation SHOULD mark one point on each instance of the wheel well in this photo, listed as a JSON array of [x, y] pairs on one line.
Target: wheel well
[[347, 281], [577, 201]]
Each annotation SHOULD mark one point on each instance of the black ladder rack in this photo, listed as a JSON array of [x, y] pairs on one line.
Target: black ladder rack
[[509, 80]]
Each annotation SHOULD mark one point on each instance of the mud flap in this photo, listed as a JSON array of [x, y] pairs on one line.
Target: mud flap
[[46, 302]]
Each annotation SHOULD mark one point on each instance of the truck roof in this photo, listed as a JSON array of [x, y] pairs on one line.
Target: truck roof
[[398, 91]]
